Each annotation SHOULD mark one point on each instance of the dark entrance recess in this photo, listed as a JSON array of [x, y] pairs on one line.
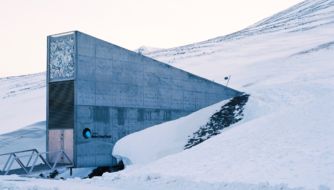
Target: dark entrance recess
[[61, 105]]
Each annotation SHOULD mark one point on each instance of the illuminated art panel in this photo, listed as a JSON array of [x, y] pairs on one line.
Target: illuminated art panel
[[61, 57]]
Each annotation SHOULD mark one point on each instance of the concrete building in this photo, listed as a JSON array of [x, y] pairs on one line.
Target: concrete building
[[98, 92]]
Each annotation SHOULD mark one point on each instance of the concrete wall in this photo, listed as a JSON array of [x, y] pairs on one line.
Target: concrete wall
[[118, 92]]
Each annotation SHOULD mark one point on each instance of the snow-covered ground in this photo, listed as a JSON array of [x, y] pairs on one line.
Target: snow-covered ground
[[285, 140], [22, 101]]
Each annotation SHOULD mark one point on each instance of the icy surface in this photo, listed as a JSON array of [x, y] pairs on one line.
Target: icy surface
[[285, 140]]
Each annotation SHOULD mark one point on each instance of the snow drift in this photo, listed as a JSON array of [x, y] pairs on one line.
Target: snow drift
[[161, 140]]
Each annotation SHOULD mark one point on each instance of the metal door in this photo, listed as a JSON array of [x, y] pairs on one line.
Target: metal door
[[60, 140]]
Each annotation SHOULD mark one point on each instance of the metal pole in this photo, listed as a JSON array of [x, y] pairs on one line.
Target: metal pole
[[10, 165], [44, 160], [32, 154], [228, 80], [65, 155], [20, 163], [8, 160], [57, 158], [33, 164]]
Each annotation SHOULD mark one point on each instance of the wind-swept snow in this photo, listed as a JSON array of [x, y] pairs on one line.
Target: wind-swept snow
[[146, 49], [161, 140], [22, 101]]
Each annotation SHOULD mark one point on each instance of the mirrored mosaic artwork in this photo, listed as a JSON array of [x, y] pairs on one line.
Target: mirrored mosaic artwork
[[61, 58]]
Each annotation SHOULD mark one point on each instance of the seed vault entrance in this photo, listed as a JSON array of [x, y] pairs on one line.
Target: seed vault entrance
[[60, 99], [61, 119], [99, 92]]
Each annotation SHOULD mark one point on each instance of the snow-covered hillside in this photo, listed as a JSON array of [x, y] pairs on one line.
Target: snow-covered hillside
[[146, 49], [285, 140], [22, 101]]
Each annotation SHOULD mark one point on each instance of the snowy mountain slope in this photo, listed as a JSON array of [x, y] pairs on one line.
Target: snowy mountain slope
[[286, 135], [285, 138], [22, 101], [305, 16], [230, 49], [30, 137], [267, 62], [146, 49]]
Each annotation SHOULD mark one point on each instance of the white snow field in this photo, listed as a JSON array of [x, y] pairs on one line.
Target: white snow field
[[22, 101], [285, 140]]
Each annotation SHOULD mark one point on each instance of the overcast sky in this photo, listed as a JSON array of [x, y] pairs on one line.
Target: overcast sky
[[24, 24]]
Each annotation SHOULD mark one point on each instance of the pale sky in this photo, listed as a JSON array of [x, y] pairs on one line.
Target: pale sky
[[24, 24]]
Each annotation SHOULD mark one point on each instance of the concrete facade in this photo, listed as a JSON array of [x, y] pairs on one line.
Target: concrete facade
[[115, 92]]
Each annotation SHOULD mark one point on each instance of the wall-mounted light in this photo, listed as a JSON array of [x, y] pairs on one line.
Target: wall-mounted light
[[87, 133]]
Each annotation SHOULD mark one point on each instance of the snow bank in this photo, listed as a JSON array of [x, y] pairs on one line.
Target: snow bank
[[145, 182], [280, 148], [162, 140]]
